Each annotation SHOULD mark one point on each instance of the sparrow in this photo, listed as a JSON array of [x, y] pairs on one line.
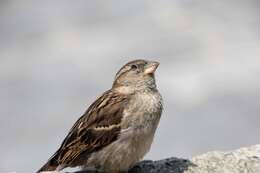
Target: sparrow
[[117, 130]]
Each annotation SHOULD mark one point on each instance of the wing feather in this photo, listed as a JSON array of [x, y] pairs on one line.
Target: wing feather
[[97, 128]]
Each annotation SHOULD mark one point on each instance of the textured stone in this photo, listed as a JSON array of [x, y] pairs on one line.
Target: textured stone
[[243, 160]]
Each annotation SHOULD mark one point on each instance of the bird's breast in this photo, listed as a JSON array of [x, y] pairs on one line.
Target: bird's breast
[[143, 112], [139, 123]]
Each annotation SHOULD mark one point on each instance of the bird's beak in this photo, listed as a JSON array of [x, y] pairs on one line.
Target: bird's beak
[[151, 67]]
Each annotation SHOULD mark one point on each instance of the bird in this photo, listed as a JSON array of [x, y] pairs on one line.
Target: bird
[[117, 129]]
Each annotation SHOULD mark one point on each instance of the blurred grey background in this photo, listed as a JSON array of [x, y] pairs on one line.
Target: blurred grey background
[[56, 57]]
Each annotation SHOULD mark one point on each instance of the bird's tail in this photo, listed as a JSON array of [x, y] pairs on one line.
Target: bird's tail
[[51, 164]]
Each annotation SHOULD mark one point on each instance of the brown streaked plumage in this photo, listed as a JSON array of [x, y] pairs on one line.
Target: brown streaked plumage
[[97, 134], [83, 137]]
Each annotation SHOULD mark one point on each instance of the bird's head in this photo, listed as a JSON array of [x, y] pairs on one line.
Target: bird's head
[[136, 75]]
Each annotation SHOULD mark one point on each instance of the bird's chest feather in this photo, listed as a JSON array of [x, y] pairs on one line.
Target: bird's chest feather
[[144, 113], [140, 122], [149, 103]]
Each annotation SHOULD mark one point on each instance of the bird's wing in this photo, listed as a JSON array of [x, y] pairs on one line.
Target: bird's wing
[[97, 128]]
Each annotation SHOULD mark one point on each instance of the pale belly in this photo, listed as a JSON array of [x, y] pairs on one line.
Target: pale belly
[[122, 154]]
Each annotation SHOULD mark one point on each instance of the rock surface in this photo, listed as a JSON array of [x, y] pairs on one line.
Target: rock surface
[[243, 160]]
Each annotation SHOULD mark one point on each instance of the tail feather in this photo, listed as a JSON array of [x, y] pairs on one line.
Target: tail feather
[[51, 165]]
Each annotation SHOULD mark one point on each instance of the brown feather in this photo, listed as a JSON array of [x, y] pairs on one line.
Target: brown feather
[[91, 132]]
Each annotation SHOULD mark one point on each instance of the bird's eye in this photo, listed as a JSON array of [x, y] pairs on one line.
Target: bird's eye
[[133, 67]]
